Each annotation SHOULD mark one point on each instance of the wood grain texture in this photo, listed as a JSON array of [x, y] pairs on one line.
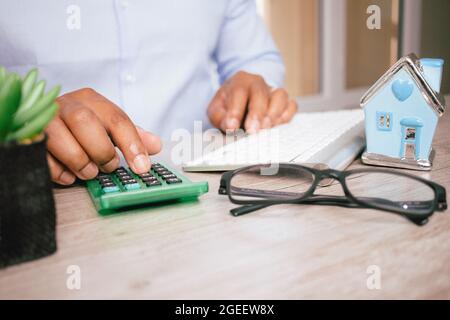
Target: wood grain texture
[[197, 250]]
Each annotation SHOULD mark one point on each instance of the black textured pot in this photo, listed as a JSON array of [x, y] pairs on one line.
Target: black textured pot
[[27, 208]]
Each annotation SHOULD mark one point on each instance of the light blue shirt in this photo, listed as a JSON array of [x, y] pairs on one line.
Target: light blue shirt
[[159, 60]]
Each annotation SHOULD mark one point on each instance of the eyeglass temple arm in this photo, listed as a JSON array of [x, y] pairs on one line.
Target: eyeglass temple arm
[[329, 201], [243, 210], [325, 201]]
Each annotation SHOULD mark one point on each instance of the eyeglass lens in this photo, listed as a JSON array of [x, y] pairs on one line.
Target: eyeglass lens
[[391, 191], [256, 184]]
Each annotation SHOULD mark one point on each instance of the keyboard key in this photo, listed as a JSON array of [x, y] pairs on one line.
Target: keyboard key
[[153, 183], [111, 189], [132, 186], [173, 181]]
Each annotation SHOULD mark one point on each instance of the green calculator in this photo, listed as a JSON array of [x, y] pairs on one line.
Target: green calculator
[[123, 188]]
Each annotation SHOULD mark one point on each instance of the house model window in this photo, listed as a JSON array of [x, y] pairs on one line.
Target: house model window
[[384, 121]]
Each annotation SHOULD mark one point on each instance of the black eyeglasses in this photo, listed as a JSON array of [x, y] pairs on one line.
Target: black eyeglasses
[[261, 186]]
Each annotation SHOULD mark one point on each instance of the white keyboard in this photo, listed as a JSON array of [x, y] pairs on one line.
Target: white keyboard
[[334, 139]]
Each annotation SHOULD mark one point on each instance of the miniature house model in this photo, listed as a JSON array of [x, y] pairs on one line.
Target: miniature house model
[[401, 114]]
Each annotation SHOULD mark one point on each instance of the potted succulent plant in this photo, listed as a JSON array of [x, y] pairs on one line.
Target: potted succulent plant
[[27, 211]]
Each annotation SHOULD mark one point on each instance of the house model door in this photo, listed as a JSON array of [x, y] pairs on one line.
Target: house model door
[[410, 144]]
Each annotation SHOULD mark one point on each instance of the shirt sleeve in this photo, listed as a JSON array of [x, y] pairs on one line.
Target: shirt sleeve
[[245, 44]]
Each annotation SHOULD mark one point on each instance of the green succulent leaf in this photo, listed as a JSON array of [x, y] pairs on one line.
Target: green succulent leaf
[[10, 93], [2, 75], [34, 96], [25, 115], [35, 126], [29, 83]]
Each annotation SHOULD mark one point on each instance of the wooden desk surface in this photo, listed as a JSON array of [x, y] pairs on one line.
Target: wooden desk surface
[[197, 250]]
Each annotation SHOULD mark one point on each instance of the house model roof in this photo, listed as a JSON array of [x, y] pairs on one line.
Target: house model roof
[[412, 65]]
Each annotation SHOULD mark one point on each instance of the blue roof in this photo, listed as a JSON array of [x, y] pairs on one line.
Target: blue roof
[[410, 64]]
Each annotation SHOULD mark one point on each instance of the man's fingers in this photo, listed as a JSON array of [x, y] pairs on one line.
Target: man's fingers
[[123, 133], [289, 113], [217, 111], [91, 135], [126, 137], [59, 173], [152, 143], [84, 135], [64, 147], [258, 105], [236, 105], [279, 102]]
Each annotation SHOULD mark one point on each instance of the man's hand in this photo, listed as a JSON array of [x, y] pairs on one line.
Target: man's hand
[[247, 101], [83, 136]]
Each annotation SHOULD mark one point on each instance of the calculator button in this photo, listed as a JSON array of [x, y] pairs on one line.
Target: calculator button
[[164, 173], [169, 176], [145, 175], [173, 180], [153, 183], [149, 179], [111, 189], [103, 176], [107, 184], [121, 174], [125, 176], [132, 186], [104, 179], [129, 181]]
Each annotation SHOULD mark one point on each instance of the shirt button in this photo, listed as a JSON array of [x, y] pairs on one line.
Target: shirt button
[[129, 78]]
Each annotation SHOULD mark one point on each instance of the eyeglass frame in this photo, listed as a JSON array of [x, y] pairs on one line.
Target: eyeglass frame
[[350, 201]]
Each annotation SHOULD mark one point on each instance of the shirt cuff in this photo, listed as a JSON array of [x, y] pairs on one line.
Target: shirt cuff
[[272, 71]]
